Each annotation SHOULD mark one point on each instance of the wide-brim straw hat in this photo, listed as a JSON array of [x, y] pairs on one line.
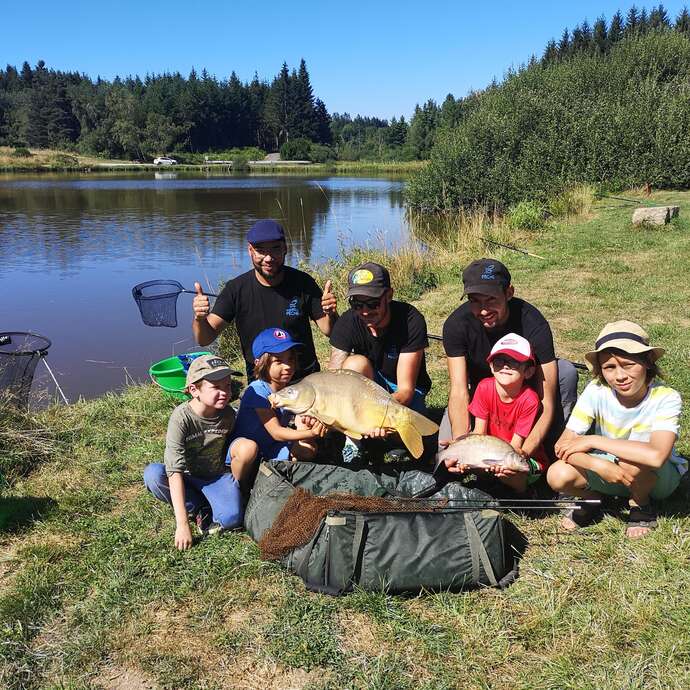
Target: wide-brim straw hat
[[625, 336]]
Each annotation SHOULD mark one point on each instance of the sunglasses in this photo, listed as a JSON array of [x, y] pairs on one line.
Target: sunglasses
[[359, 304]]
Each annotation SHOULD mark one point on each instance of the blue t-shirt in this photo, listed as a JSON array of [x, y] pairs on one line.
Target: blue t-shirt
[[248, 424]]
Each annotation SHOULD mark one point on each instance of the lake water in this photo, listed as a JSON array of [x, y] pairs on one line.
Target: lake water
[[72, 247]]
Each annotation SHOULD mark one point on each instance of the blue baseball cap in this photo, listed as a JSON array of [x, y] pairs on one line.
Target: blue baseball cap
[[272, 340], [265, 231]]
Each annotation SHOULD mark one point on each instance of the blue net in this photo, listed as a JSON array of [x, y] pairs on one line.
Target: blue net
[[157, 302], [19, 355]]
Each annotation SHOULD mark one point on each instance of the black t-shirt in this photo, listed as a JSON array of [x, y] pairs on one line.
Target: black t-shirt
[[405, 333], [465, 336], [289, 306]]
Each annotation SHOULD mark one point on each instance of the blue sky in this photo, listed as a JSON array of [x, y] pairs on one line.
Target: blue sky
[[375, 58]]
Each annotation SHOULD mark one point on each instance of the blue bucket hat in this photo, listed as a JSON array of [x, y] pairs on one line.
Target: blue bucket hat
[[265, 231], [272, 340]]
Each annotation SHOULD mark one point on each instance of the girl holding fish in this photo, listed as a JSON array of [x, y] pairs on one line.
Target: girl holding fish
[[619, 440], [504, 407], [274, 366]]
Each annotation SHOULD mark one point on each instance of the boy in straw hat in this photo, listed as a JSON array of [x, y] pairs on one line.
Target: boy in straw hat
[[629, 451]]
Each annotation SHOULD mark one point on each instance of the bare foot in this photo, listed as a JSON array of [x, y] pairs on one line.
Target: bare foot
[[568, 525], [637, 531]]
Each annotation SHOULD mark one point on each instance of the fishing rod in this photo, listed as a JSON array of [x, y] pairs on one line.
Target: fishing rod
[[512, 248], [500, 503]]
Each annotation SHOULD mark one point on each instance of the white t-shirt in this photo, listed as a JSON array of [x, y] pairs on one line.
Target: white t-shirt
[[659, 410]]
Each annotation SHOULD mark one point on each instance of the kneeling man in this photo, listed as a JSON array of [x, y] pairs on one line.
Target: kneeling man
[[382, 338]]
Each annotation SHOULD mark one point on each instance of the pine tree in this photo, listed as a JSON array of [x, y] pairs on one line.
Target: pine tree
[[322, 120], [587, 43], [599, 37], [643, 22], [683, 22], [550, 53], [616, 29], [278, 108], [27, 76], [632, 21], [303, 98], [658, 18], [564, 45]]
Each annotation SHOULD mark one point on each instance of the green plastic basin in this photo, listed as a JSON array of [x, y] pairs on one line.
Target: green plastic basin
[[171, 373]]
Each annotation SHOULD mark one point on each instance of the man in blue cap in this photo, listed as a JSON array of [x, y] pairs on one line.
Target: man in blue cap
[[270, 294]]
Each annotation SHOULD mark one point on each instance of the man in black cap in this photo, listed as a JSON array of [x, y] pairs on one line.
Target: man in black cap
[[382, 338], [469, 333], [269, 295]]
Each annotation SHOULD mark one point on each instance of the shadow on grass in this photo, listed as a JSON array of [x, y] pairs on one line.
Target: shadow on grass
[[17, 513]]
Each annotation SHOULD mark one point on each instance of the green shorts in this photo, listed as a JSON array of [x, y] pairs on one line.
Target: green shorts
[[667, 481]]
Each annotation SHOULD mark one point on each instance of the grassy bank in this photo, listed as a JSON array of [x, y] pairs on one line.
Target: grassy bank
[[50, 160], [93, 595]]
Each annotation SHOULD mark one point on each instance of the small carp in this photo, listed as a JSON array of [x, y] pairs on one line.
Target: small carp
[[481, 452], [355, 405]]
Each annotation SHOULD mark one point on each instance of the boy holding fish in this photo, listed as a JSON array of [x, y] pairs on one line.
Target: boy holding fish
[[504, 407]]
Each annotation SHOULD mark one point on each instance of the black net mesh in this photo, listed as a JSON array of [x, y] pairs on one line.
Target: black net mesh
[[157, 302], [19, 355]]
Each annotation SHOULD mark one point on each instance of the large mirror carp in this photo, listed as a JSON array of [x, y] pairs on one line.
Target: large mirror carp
[[355, 405]]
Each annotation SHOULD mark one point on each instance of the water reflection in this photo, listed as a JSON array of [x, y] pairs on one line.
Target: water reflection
[[72, 247]]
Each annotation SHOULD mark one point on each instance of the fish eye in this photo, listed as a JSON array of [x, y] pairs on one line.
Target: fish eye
[[291, 393]]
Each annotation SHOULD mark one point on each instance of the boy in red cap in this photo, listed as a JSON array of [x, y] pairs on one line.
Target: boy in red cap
[[504, 406]]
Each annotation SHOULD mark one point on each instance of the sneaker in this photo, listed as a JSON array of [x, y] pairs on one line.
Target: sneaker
[[204, 520], [352, 452]]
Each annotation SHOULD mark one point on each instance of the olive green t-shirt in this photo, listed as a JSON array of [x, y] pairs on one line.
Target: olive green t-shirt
[[195, 444]]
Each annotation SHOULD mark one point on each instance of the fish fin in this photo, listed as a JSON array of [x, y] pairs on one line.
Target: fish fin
[[424, 426], [353, 434], [325, 419], [411, 437]]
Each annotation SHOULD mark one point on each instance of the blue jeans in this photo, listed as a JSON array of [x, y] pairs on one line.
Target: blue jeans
[[221, 493], [418, 402]]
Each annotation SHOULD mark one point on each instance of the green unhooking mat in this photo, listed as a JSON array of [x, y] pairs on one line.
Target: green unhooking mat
[[390, 541]]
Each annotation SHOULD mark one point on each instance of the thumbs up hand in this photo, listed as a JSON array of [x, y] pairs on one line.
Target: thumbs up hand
[[329, 302], [200, 304]]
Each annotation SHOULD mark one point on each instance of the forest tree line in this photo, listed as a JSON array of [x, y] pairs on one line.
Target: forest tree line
[[134, 118]]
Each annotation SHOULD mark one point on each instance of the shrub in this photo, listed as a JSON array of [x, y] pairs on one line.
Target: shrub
[[21, 152], [321, 154], [527, 215], [296, 150]]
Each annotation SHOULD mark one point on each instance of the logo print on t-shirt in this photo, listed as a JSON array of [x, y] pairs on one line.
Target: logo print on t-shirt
[[279, 335], [392, 353], [293, 307]]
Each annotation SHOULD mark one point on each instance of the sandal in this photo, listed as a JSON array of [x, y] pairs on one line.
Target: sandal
[[582, 516], [641, 518]]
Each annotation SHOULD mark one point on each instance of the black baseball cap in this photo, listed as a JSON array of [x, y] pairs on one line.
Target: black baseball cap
[[485, 277], [368, 279], [265, 231]]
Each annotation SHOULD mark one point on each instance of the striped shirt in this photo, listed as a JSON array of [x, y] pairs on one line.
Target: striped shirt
[[658, 411]]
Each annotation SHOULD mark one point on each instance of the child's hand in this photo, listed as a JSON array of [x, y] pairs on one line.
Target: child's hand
[[381, 432], [501, 471], [581, 444], [452, 465], [319, 428], [183, 537], [613, 472]]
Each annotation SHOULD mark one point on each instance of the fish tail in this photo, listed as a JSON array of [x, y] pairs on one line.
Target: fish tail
[[411, 437]]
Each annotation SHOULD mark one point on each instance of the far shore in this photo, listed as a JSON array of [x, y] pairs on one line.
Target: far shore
[[46, 160]]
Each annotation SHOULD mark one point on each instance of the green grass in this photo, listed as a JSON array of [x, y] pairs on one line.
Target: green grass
[[92, 593]]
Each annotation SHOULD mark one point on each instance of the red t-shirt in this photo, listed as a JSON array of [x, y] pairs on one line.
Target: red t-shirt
[[505, 419]]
